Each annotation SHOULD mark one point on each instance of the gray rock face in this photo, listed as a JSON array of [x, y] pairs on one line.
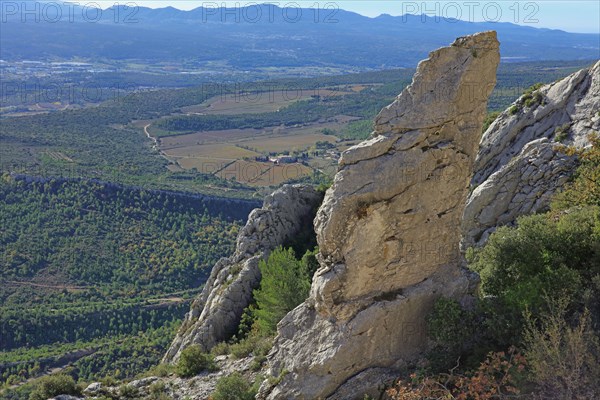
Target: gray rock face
[[519, 166], [388, 232], [216, 313], [202, 386], [93, 388]]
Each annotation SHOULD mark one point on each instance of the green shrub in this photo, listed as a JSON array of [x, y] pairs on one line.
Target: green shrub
[[53, 385], [157, 387], [254, 344], [261, 349], [533, 99], [129, 392], [243, 348], [310, 263], [448, 323], [323, 186], [193, 361], [531, 89], [234, 387], [160, 370], [489, 119], [452, 329], [545, 254], [285, 283], [561, 132], [530, 97], [108, 380], [258, 362], [247, 322], [276, 380], [584, 190], [564, 357], [157, 390], [220, 349]]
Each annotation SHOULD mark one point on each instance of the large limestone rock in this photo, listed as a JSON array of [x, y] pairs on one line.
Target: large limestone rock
[[216, 313], [520, 166], [389, 231]]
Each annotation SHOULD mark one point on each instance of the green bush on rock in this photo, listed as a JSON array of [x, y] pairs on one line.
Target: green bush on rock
[[234, 387], [193, 361], [53, 385]]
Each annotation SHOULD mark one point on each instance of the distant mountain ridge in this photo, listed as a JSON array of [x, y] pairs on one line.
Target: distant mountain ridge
[[262, 35]]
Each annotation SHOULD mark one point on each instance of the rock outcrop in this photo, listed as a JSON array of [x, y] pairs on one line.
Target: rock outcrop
[[388, 232], [200, 386], [520, 166], [216, 313]]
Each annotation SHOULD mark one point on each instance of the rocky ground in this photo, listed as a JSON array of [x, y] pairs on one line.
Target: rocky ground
[[199, 387]]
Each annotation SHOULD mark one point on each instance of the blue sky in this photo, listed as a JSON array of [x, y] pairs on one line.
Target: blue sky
[[571, 16]]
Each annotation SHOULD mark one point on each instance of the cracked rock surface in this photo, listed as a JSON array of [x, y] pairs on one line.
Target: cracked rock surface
[[215, 314], [520, 165], [388, 232]]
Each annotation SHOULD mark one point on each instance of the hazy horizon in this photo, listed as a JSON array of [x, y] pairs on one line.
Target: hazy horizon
[[580, 16]]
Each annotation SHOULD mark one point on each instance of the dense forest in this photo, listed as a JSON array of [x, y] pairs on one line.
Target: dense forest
[[93, 265], [94, 232]]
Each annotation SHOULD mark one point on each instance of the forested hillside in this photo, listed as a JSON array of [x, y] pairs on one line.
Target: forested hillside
[[99, 268], [87, 232]]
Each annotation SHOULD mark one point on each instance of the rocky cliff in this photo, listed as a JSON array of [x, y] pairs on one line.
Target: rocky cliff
[[216, 313], [520, 166], [388, 232], [389, 227]]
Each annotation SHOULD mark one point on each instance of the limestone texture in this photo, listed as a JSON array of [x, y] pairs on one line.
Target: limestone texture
[[215, 314], [389, 231], [521, 163]]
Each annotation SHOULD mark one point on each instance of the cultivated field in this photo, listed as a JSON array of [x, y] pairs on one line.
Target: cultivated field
[[208, 137], [231, 154], [256, 173], [218, 150], [259, 102], [241, 154], [288, 142]]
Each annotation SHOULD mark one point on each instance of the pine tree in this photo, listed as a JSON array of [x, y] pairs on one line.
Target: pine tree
[[285, 283]]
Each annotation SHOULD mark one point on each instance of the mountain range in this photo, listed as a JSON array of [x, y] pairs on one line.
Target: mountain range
[[260, 36]]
